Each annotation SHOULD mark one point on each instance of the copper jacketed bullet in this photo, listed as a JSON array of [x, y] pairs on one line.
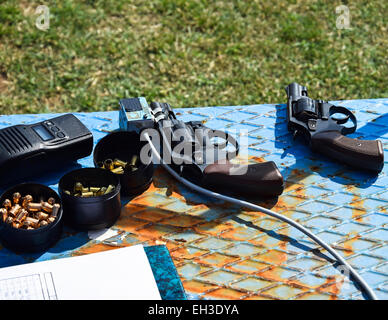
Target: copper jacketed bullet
[[55, 211], [21, 216], [50, 219], [43, 223], [7, 204], [4, 214], [26, 200], [119, 163], [34, 207], [47, 207], [14, 210], [16, 197], [9, 220], [31, 222], [41, 215]]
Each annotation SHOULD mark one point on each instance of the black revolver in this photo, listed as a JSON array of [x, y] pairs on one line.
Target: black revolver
[[322, 124], [206, 160]]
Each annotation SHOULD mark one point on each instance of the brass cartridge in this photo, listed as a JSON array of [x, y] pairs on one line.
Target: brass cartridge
[[108, 164], [119, 163], [87, 194], [56, 208], [26, 200], [4, 214], [21, 216], [14, 210], [16, 197], [118, 170], [78, 187], [34, 207], [51, 200], [9, 220], [47, 207], [134, 160], [41, 215], [50, 219], [7, 204], [31, 222], [43, 223], [109, 189]]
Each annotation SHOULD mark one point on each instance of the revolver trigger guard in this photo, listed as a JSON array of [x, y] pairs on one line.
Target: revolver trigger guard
[[348, 116]]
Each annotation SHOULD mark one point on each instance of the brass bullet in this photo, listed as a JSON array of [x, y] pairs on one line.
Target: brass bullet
[[67, 192], [108, 164], [51, 200], [56, 208], [50, 219], [94, 189], [134, 160], [41, 215], [43, 223], [4, 214], [34, 207], [15, 210], [87, 194], [119, 163], [16, 197], [31, 222], [47, 207], [21, 216], [26, 200], [9, 220], [16, 224], [7, 204], [109, 189], [78, 186], [118, 170]]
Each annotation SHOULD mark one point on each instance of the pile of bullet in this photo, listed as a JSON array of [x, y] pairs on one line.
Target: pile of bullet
[[24, 213], [81, 191], [119, 166]]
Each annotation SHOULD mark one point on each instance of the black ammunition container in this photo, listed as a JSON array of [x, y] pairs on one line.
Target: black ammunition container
[[39, 239]]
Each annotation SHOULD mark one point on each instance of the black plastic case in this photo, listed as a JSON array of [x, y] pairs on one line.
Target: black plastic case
[[40, 239], [91, 213], [123, 145]]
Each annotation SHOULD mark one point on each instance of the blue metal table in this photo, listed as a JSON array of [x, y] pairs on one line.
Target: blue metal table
[[222, 252]]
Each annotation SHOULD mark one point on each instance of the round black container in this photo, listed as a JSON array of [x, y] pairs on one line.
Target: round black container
[[123, 145], [90, 213], [37, 240]]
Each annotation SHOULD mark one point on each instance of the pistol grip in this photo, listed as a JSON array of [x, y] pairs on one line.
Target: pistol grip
[[365, 154], [261, 179]]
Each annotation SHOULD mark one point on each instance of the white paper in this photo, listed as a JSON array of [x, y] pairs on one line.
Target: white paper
[[118, 274]]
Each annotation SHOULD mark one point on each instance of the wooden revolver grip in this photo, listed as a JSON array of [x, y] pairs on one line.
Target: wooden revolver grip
[[365, 154], [260, 179]]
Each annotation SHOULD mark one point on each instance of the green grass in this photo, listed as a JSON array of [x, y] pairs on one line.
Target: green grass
[[187, 52]]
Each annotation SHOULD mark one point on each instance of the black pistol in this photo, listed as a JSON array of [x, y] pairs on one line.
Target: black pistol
[[207, 158], [323, 125]]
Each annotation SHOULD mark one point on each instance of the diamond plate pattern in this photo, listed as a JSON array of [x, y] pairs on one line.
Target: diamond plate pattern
[[222, 252]]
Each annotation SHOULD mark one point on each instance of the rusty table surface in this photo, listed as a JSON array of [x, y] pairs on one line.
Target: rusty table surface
[[223, 252]]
